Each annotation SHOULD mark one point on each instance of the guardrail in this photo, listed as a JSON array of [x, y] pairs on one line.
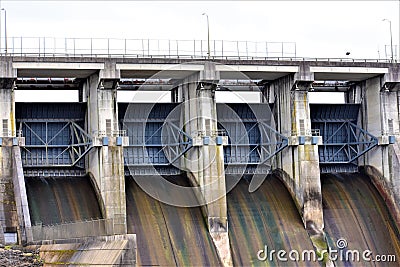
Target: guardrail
[[307, 132], [49, 46], [72, 230], [203, 133], [163, 48], [113, 133], [9, 133]]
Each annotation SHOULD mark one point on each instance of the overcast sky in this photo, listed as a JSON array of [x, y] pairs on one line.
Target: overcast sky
[[319, 28]]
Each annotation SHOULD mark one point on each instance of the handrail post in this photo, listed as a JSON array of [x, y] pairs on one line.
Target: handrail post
[[222, 48]]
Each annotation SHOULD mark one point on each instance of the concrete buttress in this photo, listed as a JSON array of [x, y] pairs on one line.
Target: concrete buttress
[[105, 161], [380, 117], [7, 211], [14, 212], [204, 163], [298, 165]]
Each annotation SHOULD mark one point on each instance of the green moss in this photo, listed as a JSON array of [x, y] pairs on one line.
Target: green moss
[[321, 248]]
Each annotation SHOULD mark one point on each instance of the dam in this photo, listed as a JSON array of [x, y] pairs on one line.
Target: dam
[[197, 161]]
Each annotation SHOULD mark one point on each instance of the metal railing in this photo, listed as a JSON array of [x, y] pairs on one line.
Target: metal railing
[[9, 133], [99, 227], [113, 133], [315, 132], [95, 47], [162, 48], [213, 133]]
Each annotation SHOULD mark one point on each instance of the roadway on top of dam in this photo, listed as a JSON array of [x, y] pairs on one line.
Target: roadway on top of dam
[[178, 68]]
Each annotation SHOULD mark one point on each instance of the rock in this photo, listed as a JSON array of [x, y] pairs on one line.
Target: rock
[[18, 257]]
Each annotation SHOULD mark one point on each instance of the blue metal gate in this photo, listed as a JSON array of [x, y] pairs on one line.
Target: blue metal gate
[[253, 141], [156, 141], [343, 140], [55, 139]]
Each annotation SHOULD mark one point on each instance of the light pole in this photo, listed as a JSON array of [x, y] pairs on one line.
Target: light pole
[[0, 26], [391, 39], [208, 35], [5, 29]]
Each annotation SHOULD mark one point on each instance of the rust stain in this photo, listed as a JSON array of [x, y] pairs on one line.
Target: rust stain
[[267, 216], [354, 210], [168, 235], [58, 200]]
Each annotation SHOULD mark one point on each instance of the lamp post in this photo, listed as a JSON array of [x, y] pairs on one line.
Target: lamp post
[[5, 29], [208, 35], [0, 26], [391, 39]]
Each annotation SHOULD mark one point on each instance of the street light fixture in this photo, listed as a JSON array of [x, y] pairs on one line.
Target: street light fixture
[[391, 39], [0, 28], [208, 35], [5, 28]]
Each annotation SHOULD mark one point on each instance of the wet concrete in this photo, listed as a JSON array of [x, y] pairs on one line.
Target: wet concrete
[[168, 235], [61, 200], [268, 217], [354, 210]]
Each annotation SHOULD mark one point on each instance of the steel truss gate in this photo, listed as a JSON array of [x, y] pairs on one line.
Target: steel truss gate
[[156, 140], [252, 137], [55, 140], [343, 140]]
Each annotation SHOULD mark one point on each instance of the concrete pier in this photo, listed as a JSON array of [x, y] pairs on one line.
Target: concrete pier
[[205, 162], [105, 160], [380, 106], [8, 209], [298, 166]]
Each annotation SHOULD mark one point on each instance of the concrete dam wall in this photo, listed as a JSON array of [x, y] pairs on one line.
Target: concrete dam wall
[[94, 177]]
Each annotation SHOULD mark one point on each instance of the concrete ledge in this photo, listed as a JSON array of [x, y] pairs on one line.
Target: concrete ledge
[[305, 140], [350, 70], [118, 250], [386, 140], [110, 141], [263, 68], [160, 67], [57, 65]]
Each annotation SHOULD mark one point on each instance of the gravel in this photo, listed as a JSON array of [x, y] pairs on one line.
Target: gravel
[[18, 257]]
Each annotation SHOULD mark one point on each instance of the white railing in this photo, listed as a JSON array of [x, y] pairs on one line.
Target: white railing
[[203, 133], [113, 133], [48, 46], [162, 48]]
